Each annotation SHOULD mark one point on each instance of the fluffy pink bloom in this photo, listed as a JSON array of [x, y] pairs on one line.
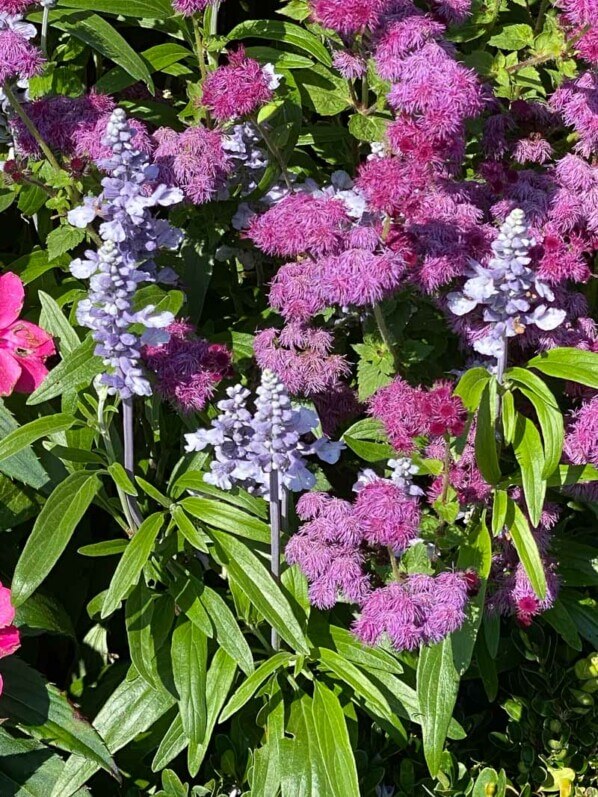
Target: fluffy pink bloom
[[400, 37], [392, 184], [10, 639], [348, 16], [562, 258], [420, 610], [350, 66], [190, 7], [18, 58], [577, 102], [301, 355], [187, 368], [387, 516], [237, 89], [580, 15], [15, 6], [399, 407], [453, 11], [465, 477], [193, 160], [445, 413], [581, 442], [533, 149], [300, 223], [24, 347], [296, 290]]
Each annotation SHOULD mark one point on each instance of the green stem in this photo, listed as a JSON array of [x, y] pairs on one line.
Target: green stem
[[541, 14], [275, 152], [394, 565], [31, 126], [541, 59], [385, 333], [199, 47], [105, 433]]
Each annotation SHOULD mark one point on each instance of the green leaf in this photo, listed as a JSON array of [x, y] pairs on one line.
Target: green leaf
[[228, 632], [189, 653], [52, 531], [53, 321], [578, 563], [157, 58], [485, 438], [186, 592], [23, 437], [368, 128], [227, 518], [76, 371], [254, 580], [437, 688], [103, 38], [323, 90], [499, 511], [548, 412], [527, 548], [287, 32], [335, 746], [355, 678], [42, 711], [146, 9], [105, 548], [196, 538], [470, 387], [121, 478], [513, 37], [43, 613], [530, 457], [368, 451], [250, 685], [133, 560], [25, 466], [509, 416], [139, 611], [193, 481], [560, 619], [130, 710], [63, 239], [17, 504], [27, 768], [576, 365], [301, 765]]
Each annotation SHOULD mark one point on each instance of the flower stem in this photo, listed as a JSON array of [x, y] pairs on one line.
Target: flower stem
[[394, 565], [541, 14], [129, 458], [275, 152], [105, 433], [31, 126], [199, 47], [274, 539], [44, 32], [385, 333]]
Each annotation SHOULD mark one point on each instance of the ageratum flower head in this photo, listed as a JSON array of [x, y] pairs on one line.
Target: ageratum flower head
[[250, 446], [131, 237], [190, 7], [19, 60], [348, 16], [509, 291]]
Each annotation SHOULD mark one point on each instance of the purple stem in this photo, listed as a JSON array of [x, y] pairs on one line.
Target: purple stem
[[274, 540]]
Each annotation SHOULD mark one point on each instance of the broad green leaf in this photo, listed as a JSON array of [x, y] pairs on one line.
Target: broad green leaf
[[42, 613], [189, 655], [485, 439], [280, 58], [584, 613], [578, 563], [147, 9], [513, 37], [267, 776], [157, 58], [62, 239], [301, 763], [560, 619], [286, 32], [103, 38], [17, 504], [173, 742], [573, 474], [228, 632], [470, 387], [25, 466], [323, 634], [76, 371], [368, 128], [437, 688], [28, 769], [254, 580], [576, 365], [499, 511], [52, 319], [42, 711], [369, 451], [324, 90], [130, 710], [251, 684], [227, 518], [132, 562], [335, 747], [527, 549], [24, 436], [186, 592], [139, 613], [52, 531], [530, 457], [355, 678]]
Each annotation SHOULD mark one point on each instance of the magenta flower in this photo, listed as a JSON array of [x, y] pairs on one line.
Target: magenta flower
[[444, 413], [348, 16], [399, 407], [193, 160], [15, 6], [239, 88], [18, 58], [24, 347], [190, 7], [10, 639], [350, 66], [387, 515], [581, 442], [187, 368], [577, 102]]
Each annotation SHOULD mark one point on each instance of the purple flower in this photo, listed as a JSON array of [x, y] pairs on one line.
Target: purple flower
[[190, 7], [387, 515], [19, 59]]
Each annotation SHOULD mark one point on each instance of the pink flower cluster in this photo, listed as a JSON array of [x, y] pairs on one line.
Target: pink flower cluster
[[581, 22], [190, 7], [187, 368], [349, 16], [237, 89], [408, 412], [10, 639], [24, 347], [19, 59]]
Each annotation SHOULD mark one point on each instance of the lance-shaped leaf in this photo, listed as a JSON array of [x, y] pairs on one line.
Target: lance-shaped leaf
[[530, 457]]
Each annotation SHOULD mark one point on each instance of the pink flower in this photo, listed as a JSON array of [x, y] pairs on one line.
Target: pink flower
[[190, 7], [386, 515], [581, 442], [399, 407], [24, 347], [15, 6], [187, 368], [18, 58], [350, 66], [445, 413], [348, 16], [238, 89], [577, 102], [10, 639]]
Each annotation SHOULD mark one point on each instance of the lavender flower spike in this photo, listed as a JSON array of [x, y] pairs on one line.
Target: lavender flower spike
[[508, 290], [131, 236]]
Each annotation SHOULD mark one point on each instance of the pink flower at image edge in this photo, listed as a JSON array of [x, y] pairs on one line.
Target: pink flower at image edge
[[10, 639], [24, 347]]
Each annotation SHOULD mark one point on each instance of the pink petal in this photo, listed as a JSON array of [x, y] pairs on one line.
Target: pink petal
[[33, 373], [10, 371], [7, 612], [10, 641], [27, 339], [12, 296]]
